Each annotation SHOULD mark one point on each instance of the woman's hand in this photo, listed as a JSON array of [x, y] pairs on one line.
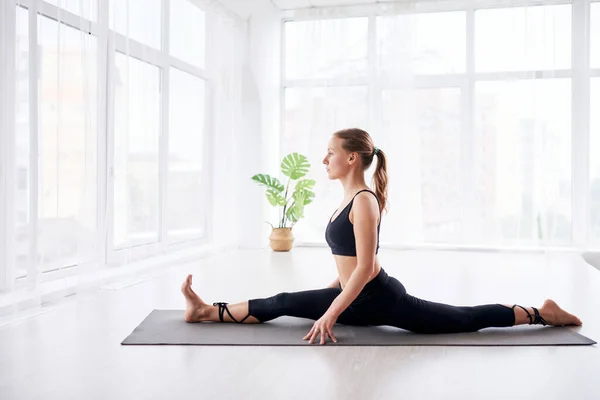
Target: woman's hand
[[324, 326]]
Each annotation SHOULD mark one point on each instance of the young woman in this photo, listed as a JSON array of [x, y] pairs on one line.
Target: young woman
[[363, 293]]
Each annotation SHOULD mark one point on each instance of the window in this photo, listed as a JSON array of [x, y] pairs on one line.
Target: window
[[523, 160], [475, 157], [412, 43], [139, 20], [84, 8], [136, 152], [595, 160], [334, 48], [188, 32], [312, 115], [523, 39], [67, 142], [422, 129], [186, 209], [595, 35], [109, 130]]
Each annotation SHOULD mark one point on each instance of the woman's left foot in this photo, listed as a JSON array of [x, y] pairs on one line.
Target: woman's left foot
[[554, 315], [196, 310]]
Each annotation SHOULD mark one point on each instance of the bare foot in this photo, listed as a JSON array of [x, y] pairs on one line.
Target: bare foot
[[196, 310], [554, 315]]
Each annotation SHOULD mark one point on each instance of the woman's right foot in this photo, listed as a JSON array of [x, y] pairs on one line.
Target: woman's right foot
[[196, 310], [554, 315]]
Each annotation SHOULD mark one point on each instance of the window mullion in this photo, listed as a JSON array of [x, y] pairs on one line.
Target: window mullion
[[580, 122], [468, 164], [163, 154]]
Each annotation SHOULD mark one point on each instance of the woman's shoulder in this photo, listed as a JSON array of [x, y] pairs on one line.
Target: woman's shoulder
[[366, 202]]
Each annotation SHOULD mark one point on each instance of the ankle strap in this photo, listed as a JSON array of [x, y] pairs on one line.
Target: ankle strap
[[223, 307], [533, 320]]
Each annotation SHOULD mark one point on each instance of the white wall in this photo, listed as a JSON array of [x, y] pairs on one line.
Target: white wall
[[260, 132]]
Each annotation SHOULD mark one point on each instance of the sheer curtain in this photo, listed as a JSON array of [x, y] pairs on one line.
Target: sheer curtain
[[52, 227], [473, 107], [114, 126]]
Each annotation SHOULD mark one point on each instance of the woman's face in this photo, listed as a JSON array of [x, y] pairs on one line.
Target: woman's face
[[337, 159]]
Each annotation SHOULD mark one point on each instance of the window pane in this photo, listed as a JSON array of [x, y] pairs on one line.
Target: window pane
[[136, 142], [595, 160], [422, 50], [312, 115], [186, 200], [22, 154], [523, 161], [595, 35], [139, 20], [87, 9], [333, 48], [67, 143], [423, 129], [526, 38], [188, 32]]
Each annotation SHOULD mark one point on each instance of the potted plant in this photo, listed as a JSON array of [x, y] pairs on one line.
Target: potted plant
[[294, 166]]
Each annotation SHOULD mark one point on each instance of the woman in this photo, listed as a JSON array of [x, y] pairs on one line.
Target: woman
[[363, 293]]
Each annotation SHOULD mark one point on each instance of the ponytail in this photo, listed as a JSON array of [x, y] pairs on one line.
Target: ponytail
[[380, 180]]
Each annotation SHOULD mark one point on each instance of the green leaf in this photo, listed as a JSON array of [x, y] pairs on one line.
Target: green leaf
[[296, 211], [308, 197], [295, 165], [305, 184], [268, 181], [275, 197]]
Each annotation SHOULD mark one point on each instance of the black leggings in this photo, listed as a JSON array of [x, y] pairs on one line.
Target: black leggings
[[384, 301]]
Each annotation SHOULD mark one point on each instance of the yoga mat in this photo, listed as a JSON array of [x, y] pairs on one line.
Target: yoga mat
[[168, 327]]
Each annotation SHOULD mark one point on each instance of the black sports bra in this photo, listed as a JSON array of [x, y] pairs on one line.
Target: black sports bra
[[340, 232]]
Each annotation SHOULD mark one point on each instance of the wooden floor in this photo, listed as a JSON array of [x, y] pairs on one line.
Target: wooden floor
[[73, 350]]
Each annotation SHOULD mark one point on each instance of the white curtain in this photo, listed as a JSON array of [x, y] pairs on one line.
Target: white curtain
[[472, 107], [114, 125]]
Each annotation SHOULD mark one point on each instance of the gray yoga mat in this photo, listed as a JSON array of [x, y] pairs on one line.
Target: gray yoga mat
[[168, 327]]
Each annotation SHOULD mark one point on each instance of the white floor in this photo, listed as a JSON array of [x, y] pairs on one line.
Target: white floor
[[73, 350]]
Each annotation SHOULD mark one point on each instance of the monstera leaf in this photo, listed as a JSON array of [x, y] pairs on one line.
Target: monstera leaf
[[295, 166], [308, 197], [275, 197], [269, 181], [305, 184], [296, 210]]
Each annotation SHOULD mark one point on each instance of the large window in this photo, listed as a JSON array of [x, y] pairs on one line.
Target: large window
[[159, 187], [476, 122], [107, 160], [186, 204], [136, 144]]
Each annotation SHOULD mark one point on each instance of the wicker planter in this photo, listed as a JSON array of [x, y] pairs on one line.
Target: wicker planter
[[281, 239]]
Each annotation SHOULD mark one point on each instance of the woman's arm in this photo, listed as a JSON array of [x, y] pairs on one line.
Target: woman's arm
[[366, 213]]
